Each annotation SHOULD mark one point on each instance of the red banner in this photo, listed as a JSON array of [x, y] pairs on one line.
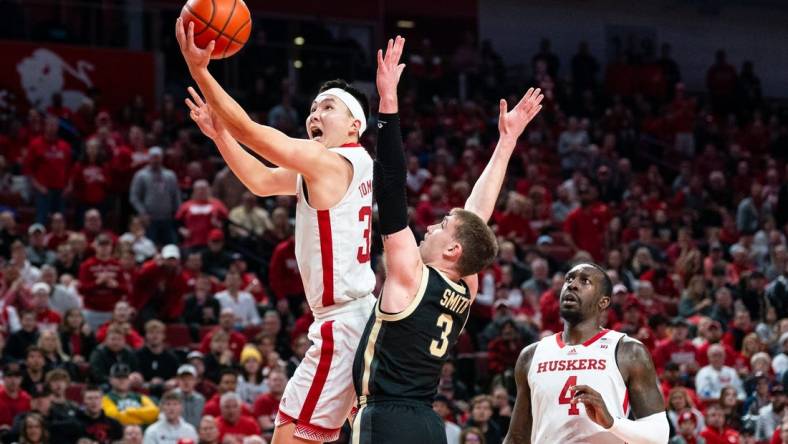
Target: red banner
[[35, 71]]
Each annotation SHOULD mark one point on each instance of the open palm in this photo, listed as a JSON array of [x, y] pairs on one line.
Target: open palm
[[512, 123]]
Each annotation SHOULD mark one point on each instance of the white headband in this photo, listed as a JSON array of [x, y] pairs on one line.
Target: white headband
[[351, 102]]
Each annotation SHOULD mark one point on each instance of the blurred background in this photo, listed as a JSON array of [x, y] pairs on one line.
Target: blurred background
[[660, 153]]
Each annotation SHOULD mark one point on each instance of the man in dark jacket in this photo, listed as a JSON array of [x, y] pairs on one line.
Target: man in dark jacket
[[114, 350]]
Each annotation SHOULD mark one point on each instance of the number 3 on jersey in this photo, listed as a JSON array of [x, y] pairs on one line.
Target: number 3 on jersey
[[438, 348], [365, 214], [566, 396]]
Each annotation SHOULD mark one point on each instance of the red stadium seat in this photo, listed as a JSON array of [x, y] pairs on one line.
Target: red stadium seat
[[178, 335], [74, 392]]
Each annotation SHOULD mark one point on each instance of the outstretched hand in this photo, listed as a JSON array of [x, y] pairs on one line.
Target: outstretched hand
[[389, 69], [512, 123], [196, 58], [201, 113]]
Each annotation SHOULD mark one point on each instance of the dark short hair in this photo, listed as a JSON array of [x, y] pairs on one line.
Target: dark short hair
[[357, 94], [479, 246], [227, 371], [92, 388]]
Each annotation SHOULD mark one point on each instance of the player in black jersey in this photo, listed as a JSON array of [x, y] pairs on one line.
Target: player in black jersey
[[430, 287]]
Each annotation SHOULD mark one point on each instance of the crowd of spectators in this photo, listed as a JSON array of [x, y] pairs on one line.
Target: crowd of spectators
[[145, 296]]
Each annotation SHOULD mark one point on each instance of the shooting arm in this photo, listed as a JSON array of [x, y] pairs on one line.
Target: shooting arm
[[307, 157], [257, 177]]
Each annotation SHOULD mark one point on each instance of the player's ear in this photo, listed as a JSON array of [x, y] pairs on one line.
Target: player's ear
[[355, 127], [604, 302], [453, 251]]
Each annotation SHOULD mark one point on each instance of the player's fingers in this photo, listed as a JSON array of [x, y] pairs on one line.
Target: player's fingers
[[398, 45], [389, 46], [191, 105], [400, 68], [197, 99], [527, 97], [179, 31], [211, 45], [190, 34], [502, 106], [380, 57]]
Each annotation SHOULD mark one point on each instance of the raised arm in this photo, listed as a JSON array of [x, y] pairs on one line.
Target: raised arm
[[522, 420], [403, 260], [510, 125], [307, 157], [256, 176]]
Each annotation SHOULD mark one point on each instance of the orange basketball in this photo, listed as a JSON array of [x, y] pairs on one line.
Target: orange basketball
[[226, 21]]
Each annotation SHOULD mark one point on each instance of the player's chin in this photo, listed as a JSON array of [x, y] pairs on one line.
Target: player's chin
[[571, 313]]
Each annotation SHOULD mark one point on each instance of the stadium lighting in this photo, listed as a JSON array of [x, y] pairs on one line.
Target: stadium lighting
[[298, 41], [298, 64], [406, 24]]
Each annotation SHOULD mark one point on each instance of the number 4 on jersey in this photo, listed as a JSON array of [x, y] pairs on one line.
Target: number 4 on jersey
[[566, 395]]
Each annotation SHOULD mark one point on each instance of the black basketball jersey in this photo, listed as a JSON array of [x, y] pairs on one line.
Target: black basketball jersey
[[401, 355]]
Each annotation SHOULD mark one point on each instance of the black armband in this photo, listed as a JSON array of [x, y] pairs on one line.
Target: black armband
[[389, 175]]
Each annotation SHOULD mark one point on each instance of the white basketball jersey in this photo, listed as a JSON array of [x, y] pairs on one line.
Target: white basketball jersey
[[332, 246], [554, 368]]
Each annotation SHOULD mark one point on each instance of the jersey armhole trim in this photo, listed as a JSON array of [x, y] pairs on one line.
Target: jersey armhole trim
[[301, 184], [425, 277], [460, 288]]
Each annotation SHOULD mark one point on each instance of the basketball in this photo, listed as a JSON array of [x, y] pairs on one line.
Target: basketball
[[226, 21]]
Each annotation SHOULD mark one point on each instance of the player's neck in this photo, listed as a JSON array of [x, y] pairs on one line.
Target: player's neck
[[580, 332]]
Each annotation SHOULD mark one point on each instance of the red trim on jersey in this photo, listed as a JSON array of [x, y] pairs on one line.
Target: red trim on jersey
[[559, 340], [626, 402], [596, 336], [593, 339], [323, 365], [309, 432], [326, 255], [351, 145]]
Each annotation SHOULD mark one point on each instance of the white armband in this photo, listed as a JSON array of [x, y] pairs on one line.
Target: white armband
[[652, 429]]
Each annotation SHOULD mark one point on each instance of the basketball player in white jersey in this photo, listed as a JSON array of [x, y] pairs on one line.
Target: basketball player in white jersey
[[331, 175], [579, 385]]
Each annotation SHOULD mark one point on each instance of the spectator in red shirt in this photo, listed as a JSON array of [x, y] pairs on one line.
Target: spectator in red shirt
[[121, 316], [90, 178], [160, 287], [48, 163], [199, 215], [504, 350], [46, 317], [283, 275], [228, 383], [266, 406], [233, 423], [677, 349], [13, 400], [94, 226], [715, 431], [227, 324], [101, 283], [586, 225], [513, 224], [58, 234]]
